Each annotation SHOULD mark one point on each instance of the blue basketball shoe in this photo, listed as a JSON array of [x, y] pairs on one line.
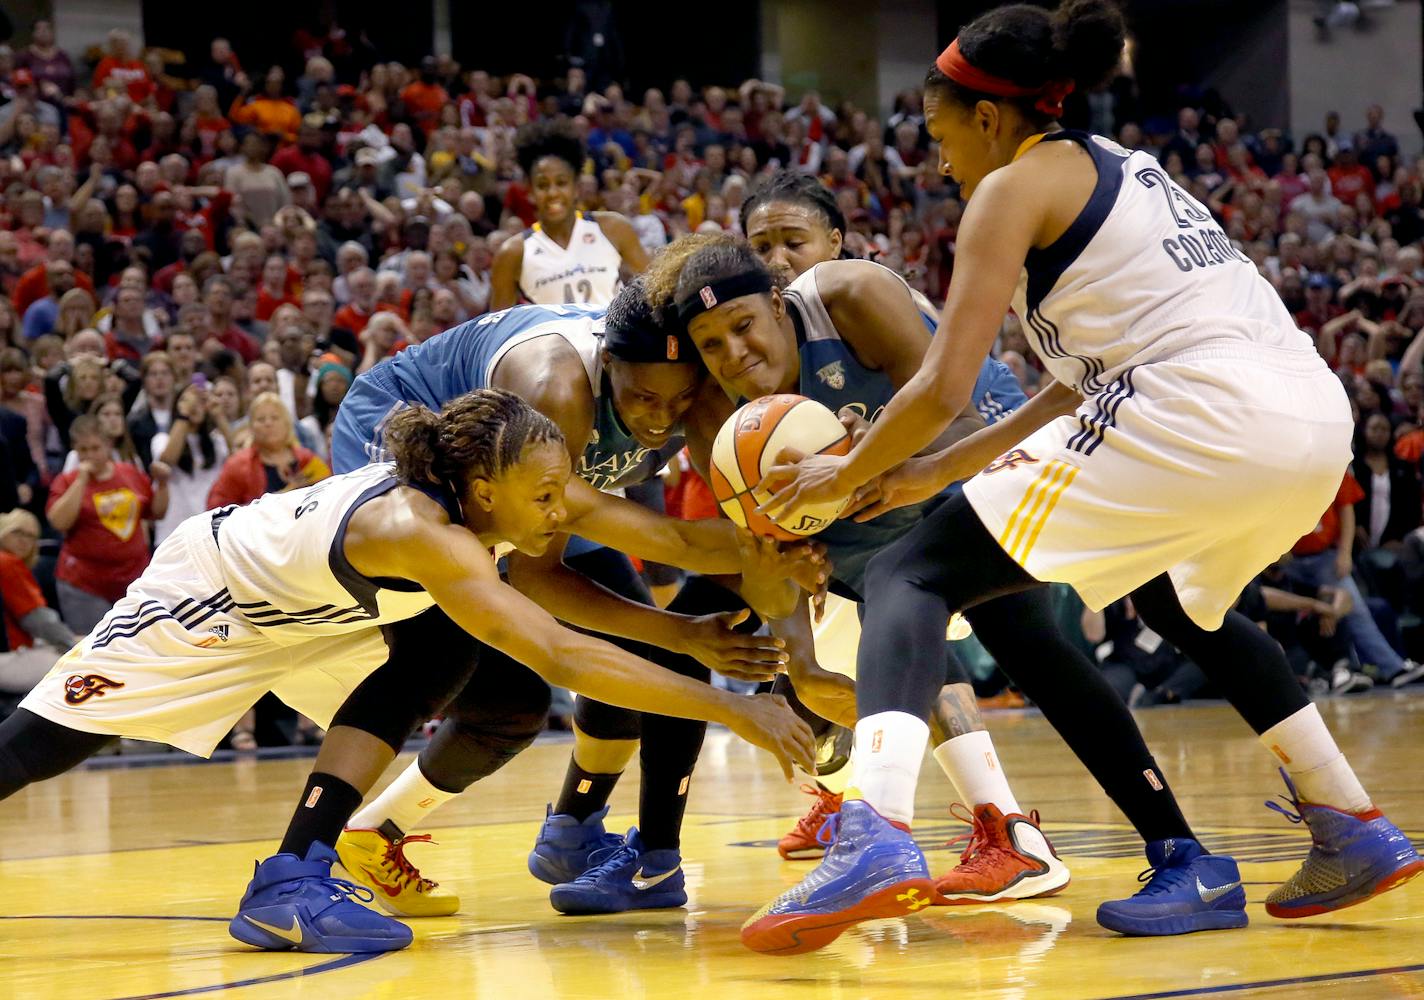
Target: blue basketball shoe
[[872, 869], [561, 853], [624, 877], [297, 904], [1187, 890], [1353, 857]]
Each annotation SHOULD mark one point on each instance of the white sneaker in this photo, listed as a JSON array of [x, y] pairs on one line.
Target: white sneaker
[[1411, 674]]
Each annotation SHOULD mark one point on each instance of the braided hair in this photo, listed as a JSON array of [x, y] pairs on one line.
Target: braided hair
[[479, 435]]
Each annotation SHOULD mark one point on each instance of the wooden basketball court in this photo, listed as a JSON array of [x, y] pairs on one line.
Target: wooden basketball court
[[117, 882]]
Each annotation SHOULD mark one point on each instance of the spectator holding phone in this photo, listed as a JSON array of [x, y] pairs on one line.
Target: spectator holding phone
[[195, 447]]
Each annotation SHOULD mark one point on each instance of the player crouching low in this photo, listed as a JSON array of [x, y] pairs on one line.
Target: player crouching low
[[289, 593]]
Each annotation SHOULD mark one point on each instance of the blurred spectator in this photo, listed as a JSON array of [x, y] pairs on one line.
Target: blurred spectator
[[1325, 558], [194, 449], [100, 508], [27, 616], [272, 463], [333, 381]]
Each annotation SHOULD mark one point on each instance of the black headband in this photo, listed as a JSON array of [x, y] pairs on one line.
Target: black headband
[[649, 343], [714, 293]]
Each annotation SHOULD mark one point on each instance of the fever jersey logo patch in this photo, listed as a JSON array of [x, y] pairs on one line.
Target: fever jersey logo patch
[[832, 375], [1010, 460], [79, 688]]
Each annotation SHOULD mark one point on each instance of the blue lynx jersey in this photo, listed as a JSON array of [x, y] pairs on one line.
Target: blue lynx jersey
[[1143, 274], [465, 358], [831, 374]]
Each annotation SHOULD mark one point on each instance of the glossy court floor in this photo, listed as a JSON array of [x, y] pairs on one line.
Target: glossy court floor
[[117, 883]]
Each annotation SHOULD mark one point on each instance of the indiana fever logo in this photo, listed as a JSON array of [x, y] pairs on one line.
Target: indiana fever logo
[[1010, 460], [79, 688]]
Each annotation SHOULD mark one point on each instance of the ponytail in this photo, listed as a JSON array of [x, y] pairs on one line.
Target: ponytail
[[1024, 55]]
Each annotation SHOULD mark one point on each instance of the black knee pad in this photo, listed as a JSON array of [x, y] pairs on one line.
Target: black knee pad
[[607, 722], [461, 753]]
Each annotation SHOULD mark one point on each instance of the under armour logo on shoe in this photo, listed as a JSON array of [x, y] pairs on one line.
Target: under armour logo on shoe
[[912, 900]]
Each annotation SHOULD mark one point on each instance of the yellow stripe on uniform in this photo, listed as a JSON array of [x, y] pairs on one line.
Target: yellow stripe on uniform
[[1054, 495], [1008, 539]]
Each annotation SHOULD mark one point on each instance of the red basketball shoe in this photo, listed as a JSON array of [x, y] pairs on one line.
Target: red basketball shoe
[[1007, 857], [801, 843]]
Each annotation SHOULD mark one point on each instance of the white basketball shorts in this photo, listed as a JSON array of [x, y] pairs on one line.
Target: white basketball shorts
[[174, 662], [1207, 467]]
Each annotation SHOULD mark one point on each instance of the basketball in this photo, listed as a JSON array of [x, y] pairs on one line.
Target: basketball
[[747, 447]]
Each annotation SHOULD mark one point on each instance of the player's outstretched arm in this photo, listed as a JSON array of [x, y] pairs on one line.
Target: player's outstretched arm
[[460, 575], [709, 547]]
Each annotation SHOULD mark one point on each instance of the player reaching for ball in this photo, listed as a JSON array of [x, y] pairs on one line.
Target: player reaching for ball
[[1193, 433], [292, 592], [792, 223], [622, 386], [755, 339]]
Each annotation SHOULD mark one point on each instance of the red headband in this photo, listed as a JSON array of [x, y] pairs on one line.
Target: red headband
[[951, 63]]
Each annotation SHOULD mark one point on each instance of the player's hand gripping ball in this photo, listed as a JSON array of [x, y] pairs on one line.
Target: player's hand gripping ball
[[749, 444]]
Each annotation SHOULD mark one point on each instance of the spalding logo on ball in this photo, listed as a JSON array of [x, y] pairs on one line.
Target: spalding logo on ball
[[747, 447]]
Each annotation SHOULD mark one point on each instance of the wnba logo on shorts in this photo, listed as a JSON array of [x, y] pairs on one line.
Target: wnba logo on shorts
[[79, 688], [1010, 460], [1152, 779]]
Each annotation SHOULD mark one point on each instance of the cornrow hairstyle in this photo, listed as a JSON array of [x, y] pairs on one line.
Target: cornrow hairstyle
[[548, 137], [1081, 41], [476, 436], [795, 188]]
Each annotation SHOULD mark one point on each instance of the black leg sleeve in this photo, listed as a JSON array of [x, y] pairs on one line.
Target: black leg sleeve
[[949, 562], [431, 658], [1244, 664], [497, 714], [34, 749], [1078, 701]]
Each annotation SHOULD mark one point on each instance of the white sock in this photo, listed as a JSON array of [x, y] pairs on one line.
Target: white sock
[[407, 802], [889, 747], [974, 769], [1316, 765]]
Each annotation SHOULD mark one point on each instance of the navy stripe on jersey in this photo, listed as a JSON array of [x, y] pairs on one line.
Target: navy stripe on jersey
[[1050, 345], [1093, 429], [1046, 266]]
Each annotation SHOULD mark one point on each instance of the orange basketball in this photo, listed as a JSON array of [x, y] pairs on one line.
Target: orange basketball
[[747, 447]]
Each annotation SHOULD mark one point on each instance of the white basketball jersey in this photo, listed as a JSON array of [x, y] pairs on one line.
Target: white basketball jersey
[[1143, 273], [586, 272], [286, 570]]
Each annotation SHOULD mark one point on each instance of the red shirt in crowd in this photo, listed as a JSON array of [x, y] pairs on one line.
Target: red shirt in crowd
[[107, 548], [291, 160], [132, 74], [241, 343], [1327, 532], [267, 303], [1347, 183], [21, 595], [34, 285]]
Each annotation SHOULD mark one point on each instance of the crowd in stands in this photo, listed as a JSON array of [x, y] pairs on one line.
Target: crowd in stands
[[197, 257]]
